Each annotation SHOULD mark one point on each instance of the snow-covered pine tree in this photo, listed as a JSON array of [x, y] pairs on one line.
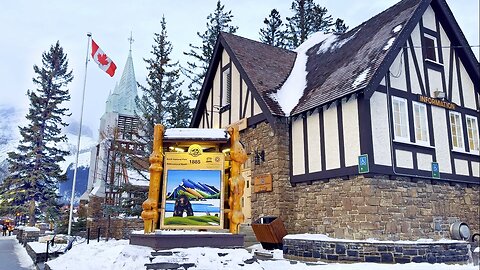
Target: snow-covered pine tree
[[218, 21], [340, 26], [273, 34], [162, 82], [34, 172], [308, 18]]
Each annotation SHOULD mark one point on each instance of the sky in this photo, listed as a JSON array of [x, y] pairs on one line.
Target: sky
[[30, 27]]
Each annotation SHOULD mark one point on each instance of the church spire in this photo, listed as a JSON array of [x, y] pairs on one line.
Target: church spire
[[122, 99]]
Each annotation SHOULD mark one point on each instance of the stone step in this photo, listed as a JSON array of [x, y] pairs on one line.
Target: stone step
[[250, 238]]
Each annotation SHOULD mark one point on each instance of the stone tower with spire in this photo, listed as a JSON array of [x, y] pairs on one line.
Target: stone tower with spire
[[118, 125]]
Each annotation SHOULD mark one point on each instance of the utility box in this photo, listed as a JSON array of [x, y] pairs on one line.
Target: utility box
[[269, 232]]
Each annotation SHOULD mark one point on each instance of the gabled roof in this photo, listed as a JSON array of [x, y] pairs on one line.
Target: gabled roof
[[340, 65], [263, 67], [359, 59], [348, 64], [267, 67]]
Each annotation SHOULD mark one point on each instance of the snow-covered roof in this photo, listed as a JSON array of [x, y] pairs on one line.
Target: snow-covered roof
[[196, 134]]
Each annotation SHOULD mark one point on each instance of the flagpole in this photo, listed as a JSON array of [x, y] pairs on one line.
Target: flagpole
[[89, 35]]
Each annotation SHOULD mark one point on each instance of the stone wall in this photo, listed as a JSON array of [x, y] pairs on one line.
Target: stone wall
[[119, 228], [386, 209], [274, 141], [378, 252], [355, 208]]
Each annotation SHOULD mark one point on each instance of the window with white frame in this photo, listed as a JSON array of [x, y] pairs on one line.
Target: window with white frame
[[456, 130], [400, 119], [421, 123], [430, 47], [472, 133]]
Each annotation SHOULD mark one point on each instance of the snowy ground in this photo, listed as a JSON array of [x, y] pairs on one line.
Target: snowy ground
[[120, 255]]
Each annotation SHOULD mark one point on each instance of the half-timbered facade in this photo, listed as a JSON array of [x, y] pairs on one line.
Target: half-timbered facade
[[399, 92]]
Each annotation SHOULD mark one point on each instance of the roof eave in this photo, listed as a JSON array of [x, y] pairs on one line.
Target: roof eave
[[402, 38]]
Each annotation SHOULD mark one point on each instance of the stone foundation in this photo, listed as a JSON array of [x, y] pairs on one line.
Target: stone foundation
[[378, 252], [358, 207], [385, 209]]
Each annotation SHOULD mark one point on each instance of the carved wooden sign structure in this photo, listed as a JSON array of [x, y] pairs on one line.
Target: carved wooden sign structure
[[187, 182]]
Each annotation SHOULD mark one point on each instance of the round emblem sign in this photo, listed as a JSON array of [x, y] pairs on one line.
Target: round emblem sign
[[195, 150]]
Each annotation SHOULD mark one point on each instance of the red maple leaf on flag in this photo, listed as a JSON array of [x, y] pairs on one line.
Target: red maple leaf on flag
[[103, 59]]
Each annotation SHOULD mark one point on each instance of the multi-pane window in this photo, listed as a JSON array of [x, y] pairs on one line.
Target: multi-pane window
[[430, 47], [400, 119], [421, 124], [456, 130], [227, 87], [472, 133]]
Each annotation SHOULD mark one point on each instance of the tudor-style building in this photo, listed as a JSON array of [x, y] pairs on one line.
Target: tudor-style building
[[401, 89]]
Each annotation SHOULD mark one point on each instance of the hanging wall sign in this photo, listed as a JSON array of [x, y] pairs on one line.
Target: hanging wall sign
[[437, 102], [192, 190], [262, 183]]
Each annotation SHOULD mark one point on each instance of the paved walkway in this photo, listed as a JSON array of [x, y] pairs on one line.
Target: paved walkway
[[8, 258]]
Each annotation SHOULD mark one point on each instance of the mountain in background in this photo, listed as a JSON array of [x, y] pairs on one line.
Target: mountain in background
[[11, 118]]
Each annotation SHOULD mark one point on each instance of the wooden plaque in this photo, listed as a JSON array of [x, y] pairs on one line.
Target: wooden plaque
[[262, 183]]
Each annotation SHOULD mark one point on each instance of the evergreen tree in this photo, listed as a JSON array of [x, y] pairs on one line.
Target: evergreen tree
[[179, 112], [340, 26], [272, 34], [156, 103], [34, 170], [308, 18], [218, 21]]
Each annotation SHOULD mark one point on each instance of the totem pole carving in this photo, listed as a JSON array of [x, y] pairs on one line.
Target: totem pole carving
[[236, 182], [150, 206]]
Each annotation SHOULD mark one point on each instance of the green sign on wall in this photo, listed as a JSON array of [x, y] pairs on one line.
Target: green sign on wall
[[363, 164], [435, 170]]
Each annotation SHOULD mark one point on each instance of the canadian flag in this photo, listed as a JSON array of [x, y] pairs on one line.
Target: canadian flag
[[101, 58]]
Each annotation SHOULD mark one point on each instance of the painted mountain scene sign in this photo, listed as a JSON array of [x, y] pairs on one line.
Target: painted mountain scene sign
[[192, 196]]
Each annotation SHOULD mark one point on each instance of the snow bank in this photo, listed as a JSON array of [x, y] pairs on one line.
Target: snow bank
[[323, 237], [196, 133], [119, 255], [103, 255], [31, 229]]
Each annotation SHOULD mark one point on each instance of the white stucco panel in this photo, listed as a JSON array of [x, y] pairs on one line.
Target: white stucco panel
[[440, 131], [235, 97], [446, 54], [429, 19], [380, 131], [455, 91], [256, 107], [248, 106], [414, 80], [298, 153], [351, 132], [424, 162], [225, 58], [435, 81], [332, 148], [404, 159], [461, 166], [398, 79], [314, 147], [467, 88], [475, 169], [216, 97]]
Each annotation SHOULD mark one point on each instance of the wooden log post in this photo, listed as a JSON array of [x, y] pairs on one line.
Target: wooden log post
[[236, 181], [150, 213]]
